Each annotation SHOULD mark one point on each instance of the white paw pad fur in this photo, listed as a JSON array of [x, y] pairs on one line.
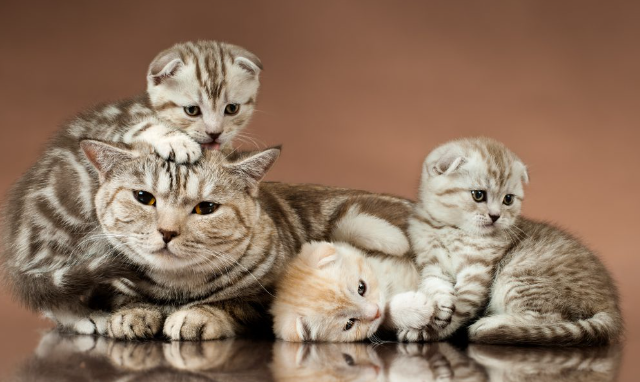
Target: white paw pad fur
[[178, 147], [411, 310]]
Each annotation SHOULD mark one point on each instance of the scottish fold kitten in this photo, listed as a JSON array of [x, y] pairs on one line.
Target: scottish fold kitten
[[474, 251], [334, 292]]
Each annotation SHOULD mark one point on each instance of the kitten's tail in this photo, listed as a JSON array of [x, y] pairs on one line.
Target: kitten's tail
[[602, 328]]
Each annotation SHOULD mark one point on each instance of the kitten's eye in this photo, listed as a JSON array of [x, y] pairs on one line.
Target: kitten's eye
[[479, 195], [205, 208], [192, 111], [348, 359], [144, 197], [508, 199], [362, 288], [349, 324], [232, 109]]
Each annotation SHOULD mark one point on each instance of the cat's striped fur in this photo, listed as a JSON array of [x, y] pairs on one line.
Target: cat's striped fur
[[541, 285], [217, 278]]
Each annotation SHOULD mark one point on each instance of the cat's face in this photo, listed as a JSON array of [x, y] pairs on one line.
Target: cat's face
[[326, 362], [206, 88], [328, 293], [170, 217], [474, 184]]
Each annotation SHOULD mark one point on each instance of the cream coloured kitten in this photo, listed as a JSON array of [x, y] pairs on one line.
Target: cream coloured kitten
[[333, 292]]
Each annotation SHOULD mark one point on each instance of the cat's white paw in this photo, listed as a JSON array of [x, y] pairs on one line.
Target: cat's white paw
[[486, 324], [134, 323], [414, 335], [178, 147], [444, 307], [411, 310], [198, 323]]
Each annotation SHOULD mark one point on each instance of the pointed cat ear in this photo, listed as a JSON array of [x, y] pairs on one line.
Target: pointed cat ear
[[294, 329], [319, 254], [104, 156], [164, 66], [255, 167], [246, 60]]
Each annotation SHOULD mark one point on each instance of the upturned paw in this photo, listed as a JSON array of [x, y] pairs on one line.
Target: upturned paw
[[411, 310], [178, 147], [198, 323], [134, 323], [444, 307]]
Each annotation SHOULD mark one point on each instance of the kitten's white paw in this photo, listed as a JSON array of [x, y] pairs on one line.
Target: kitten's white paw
[[178, 147], [444, 307], [485, 324], [411, 310], [134, 323], [198, 323], [414, 335]]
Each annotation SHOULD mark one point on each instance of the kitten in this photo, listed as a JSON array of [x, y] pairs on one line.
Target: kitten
[[542, 286], [333, 292], [190, 250]]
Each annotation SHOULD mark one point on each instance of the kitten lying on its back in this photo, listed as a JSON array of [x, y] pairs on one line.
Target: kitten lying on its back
[[542, 286], [333, 292]]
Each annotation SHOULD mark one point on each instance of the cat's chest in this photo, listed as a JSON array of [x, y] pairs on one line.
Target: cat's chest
[[453, 248]]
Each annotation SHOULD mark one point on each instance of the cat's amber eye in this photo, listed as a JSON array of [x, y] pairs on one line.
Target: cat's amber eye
[[349, 324], [144, 197], [479, 195], [362, 288], [205, 208], [192, 111], [508, 199], [232, 109]]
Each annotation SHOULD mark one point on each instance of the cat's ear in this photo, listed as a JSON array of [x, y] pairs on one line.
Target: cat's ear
[[444, 162], [523, 169], [294, 329], [164, 66], [254, 168], [104, 156], [319, 254], [246, 60]]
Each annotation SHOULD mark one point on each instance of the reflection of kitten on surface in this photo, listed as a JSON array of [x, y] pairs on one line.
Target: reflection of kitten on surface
[[511, 363], [70, 358]]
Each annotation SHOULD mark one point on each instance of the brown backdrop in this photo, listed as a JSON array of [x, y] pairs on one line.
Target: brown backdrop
[[359, 91]]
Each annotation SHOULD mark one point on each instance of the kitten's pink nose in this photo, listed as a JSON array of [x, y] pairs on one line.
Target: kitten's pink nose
[[372, 312]]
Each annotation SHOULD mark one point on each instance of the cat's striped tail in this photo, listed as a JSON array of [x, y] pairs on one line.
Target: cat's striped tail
[[602, 328]]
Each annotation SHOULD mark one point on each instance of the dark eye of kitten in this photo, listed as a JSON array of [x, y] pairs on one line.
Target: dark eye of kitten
[[349, 324], [192, 111], [144, 197], [479, 195], [232, 109], [348, 359], [508, 199], [362, 288], [205, 208]]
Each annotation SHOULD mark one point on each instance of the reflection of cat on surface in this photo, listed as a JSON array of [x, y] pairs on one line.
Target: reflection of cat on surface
[[360, 362], [526, 364], [61, 357]]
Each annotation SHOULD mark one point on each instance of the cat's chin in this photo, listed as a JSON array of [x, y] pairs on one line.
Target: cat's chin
[[211, 146]]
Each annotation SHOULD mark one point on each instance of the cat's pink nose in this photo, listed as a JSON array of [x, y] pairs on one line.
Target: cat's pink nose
[[372, 312]]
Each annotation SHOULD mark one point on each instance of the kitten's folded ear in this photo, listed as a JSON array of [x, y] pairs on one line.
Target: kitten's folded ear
[[444, 160], [164, 66], [292, 328], [319, 254], [246, 60], [253, 168], [525, 173], [104, 156]]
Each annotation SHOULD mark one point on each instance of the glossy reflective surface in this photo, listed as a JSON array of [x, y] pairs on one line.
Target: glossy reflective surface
[[61, 357]]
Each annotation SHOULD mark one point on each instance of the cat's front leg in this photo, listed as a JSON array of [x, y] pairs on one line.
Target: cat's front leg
[[438, 286], [200, 322], [135, 321], [169, 143], [409, 310]]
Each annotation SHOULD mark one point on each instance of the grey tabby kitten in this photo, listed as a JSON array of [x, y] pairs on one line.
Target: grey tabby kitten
[[541, 285], [191, 250]]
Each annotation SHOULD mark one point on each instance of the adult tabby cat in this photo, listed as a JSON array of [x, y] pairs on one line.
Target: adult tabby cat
[[542, 286], [190, 249]]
